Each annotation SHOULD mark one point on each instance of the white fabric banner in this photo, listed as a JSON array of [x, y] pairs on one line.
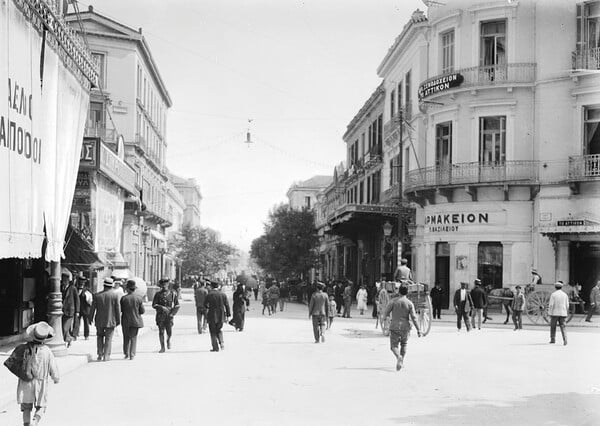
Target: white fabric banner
[[41, 132]]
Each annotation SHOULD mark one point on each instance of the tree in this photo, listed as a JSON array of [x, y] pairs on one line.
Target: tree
[[287, 249], [201, 251]]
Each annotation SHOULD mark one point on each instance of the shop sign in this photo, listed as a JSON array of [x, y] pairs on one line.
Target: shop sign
[[89, 153], [449, 222], [116, 169], [441, 84], [570, 223]]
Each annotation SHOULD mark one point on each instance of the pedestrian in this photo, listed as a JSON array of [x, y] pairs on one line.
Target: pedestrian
[[70, 306], [463, 305], [437, 300], [274, 294], [107, 312], [266, 303], [200, 293], [132, 309], [488, 288], [118, 286], [40, 365], [558, 308], [361, 300], [166, 304], [403, 272], [240, 301], [479, 303], [403, 312], [284, 293], [332, 311], [217, 308], [338, 292], [535, 277], [347, 300], [255, 291], [518, 306], [594, 301], [318, 311], [85, 303]]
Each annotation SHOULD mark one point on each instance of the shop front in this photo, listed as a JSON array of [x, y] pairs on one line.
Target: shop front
[[460, 242]]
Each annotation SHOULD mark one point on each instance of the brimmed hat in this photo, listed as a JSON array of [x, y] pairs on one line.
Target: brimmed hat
[[131, 285], [320, 285], [533, 270], [558, 284], [39, 332], [477, 281], [64, 272], [214, 284], [163, 281], [108, 282]]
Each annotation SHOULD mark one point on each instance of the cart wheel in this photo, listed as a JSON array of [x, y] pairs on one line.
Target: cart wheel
[[537, 306], [424, 320]]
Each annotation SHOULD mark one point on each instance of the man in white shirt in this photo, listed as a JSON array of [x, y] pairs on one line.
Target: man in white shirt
[[403, 272], [558, 308]]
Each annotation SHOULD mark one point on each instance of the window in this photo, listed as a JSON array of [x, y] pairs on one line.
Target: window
[[400, 96], [592, 131], [489, 264], [379, 134], [407, 94], [307, 202], [376, 182], [447, 52], [493, 50], [139, 82], [443, 144], [361, 190], [588, 35], [362, 144], [96, 116], [99, 59], [392, 104], [392, 166], [406, 162], [368, 189], [492, 140]]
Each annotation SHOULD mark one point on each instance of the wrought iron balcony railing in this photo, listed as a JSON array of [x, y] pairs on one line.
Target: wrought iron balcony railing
[[107, 135], [588, 59], [474, 173], [584, 167]]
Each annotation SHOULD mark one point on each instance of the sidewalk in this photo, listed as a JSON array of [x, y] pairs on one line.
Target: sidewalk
[[79, 354]]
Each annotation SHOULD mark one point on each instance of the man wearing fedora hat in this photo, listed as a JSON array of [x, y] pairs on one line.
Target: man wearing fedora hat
[[217, 307], [558, 309], [70, 301], [34, 393], [318, 311], [107, 311], [85, 303], [132, 309]]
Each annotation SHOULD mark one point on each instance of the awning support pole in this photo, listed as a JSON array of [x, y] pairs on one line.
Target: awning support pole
[[56, 344]]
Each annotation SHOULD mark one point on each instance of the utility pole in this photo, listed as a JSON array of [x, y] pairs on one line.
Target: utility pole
[[400, 197]]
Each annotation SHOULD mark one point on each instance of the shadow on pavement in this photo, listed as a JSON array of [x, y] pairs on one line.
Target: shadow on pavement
[[581, 409], [384, 369], [362, 334]]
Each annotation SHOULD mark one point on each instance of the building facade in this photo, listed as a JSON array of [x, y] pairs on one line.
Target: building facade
[[192, 196], [303, 194]]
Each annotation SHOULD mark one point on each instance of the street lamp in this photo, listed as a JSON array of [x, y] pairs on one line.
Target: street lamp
[[387, 229]]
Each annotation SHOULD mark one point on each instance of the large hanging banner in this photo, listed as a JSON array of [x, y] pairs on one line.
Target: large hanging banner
[[43, 105]]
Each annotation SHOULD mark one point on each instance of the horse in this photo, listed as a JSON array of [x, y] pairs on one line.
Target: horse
[[502, 296]]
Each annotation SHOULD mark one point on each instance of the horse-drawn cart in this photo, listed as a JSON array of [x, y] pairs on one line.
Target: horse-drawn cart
[[418, 293]]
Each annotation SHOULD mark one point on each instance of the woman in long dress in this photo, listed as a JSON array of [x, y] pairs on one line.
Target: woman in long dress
[[361, 300]]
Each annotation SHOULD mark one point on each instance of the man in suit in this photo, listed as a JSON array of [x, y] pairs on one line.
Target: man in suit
[[463, 305], [240, 301], [558, 309], [403, 311], [594, 302], [132, 309], [70, 301], [106, 313], [166, 304], [200, 293], [85, 303], [318, 310], [347, 300], [437, 300], [217, 307], [479, 299]]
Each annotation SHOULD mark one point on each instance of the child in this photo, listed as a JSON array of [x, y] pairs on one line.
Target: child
[[332, 310], [34, 393]]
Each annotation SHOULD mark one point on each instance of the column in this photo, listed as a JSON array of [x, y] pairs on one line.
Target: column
[[56, 344], [507, 277], [562, 261]]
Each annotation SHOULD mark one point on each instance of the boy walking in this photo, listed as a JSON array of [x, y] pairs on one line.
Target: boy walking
[[403, 311], [518, 306]]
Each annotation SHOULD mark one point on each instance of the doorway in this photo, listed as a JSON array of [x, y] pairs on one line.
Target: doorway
[[442, 270], [584, 268]]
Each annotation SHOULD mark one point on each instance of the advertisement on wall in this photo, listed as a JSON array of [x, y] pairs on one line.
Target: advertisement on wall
[[109, 217], [42, 119]]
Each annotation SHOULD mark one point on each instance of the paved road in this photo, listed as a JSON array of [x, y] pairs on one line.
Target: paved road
[[272, 374]]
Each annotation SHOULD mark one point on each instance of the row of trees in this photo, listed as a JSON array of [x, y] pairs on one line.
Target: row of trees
[[288, 247]]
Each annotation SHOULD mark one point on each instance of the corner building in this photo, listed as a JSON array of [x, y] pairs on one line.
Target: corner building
[[506, 144]]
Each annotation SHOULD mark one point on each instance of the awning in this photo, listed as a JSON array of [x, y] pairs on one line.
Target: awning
[[114, 260], [79, 254], [122, 274], [577, 229], [157, 235]]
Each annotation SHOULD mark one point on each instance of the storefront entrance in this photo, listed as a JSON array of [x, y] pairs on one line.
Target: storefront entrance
[[584, 265], [442, 270], [489, 264]]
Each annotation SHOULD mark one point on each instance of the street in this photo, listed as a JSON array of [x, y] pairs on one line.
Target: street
[[273, 373]]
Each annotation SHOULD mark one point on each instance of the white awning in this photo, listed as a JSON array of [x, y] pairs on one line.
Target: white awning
[[157, 235]]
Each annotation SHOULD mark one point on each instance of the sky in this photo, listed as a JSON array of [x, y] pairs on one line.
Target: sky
[[300, 70]]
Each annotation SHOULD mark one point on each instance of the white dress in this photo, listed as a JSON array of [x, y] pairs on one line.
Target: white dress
[[36, 391], [361, 299]]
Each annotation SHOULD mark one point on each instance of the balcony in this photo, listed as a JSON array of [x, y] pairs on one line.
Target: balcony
[[425, 181], [583, 168], [93, 130], [479, 77], [372, 158], [588, 59]]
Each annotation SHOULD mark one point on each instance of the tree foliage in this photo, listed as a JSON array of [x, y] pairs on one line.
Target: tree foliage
[[287, 248], [201, 251]]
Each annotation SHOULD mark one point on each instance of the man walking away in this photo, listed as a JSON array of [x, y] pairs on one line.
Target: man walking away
[[284, 294], [403, 312], [338, 292], [594, 301], [479, 303], [70, 300], [347, 301], [166, 304], [437, 300], [217, 307], [200, 293], [132, 309], [558, 307], [107, 311], [518, 306], [318, 310], [462, 306]]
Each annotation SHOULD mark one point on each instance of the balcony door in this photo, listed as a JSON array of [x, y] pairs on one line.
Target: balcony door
[[493, 51], [492, 148], [443, 152]]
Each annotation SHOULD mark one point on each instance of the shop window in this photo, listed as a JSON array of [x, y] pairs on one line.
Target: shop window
[[592, 131], [443, 144], [447, 41], [489, 264], [492, 140]]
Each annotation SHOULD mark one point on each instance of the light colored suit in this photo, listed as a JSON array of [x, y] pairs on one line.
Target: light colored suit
[[559, 304]]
